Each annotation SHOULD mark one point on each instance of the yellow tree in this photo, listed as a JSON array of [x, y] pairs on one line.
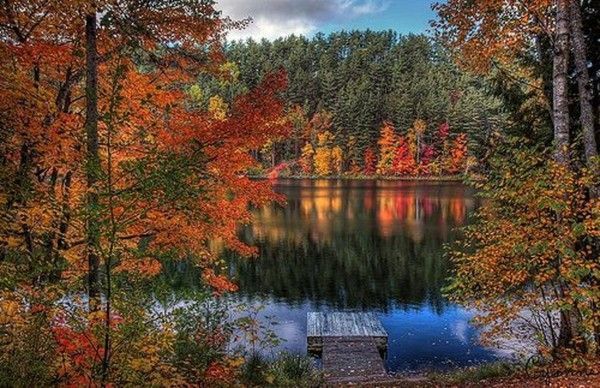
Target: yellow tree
[[337, 160], [323, 154], [388, 142], [306, 159]]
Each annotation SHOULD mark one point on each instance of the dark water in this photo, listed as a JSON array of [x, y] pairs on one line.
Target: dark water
[[364, 246]]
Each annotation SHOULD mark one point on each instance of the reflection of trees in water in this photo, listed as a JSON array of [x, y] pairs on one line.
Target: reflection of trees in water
[[392, 210], [357, 271], [354, 245]]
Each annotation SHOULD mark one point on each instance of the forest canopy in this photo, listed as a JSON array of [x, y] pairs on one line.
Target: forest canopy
[[349, 83]]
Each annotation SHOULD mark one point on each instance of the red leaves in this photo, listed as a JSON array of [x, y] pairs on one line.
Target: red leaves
[[443, 131], [404, 162], [79, 352], [370, 162]]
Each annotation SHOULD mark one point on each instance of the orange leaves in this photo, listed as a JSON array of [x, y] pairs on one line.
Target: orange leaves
[[491, 30], [142, 267], [527, 252], [220, 283], [9, 310], [219, 373], [458, 154], [81, 350], [387, 142], [171, 179]]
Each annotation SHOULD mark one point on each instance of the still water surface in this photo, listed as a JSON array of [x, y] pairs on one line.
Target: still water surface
[[364, 246]]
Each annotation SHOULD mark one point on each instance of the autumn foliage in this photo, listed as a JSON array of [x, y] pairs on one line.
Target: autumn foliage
[[169, 173], [414, 152], [534, 237], [370, 162]]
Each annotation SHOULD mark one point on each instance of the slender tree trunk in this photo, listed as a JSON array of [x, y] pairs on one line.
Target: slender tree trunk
[[560, 108], [583, 84], [93, 160], [560, 83]]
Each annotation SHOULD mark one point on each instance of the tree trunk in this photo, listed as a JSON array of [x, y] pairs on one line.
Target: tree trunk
[[560, 106], [560, 83], [93, 160], [583, 84]]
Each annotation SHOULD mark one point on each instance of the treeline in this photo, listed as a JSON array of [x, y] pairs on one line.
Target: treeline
[[344, 86], [393, 155]]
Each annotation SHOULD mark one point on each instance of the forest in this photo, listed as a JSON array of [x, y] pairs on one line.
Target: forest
[[371, 103], [137, 226]]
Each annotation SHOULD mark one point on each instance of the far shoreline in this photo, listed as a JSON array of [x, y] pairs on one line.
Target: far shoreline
[[445, 178]]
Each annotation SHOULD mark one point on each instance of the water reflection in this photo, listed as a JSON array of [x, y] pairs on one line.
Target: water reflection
[[363, 245], [354, 244]]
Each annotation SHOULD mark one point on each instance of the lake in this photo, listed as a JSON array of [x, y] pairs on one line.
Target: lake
[[364, 245]]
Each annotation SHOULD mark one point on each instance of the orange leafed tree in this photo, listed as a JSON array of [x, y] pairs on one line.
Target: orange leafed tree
[[458, 154], [491, 30], [387, 142], [168, 177]]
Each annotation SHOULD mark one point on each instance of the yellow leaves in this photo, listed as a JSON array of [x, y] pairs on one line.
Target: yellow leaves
[[13, 242], [96, 316], [229, 72], [218, 108], [323, 157], [528, 239], [236, 362], [9, 309], [306, 158], [388, 141], [323, 161], [196, 94], [337, 160], [420, 126]]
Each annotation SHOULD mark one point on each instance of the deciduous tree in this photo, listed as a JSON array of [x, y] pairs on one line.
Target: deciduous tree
[[387, 146]]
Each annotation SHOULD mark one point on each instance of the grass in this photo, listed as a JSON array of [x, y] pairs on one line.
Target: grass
[[474, 374], [287, 370]]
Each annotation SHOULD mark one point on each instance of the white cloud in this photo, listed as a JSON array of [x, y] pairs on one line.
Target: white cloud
[[262, 27], [275, 18]]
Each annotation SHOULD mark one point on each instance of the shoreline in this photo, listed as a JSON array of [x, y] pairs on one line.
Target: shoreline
[[449, 178]]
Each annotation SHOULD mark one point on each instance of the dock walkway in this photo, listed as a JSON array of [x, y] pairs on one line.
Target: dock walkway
[[351, 345]]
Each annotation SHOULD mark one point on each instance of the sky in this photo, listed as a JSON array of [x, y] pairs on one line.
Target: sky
[[277, 18]]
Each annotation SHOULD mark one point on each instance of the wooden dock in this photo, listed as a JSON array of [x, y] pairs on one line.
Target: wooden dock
[[351, 346]]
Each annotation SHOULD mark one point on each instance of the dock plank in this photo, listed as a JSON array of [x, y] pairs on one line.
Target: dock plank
[[352, 359], [343, 324], [351, 344]]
